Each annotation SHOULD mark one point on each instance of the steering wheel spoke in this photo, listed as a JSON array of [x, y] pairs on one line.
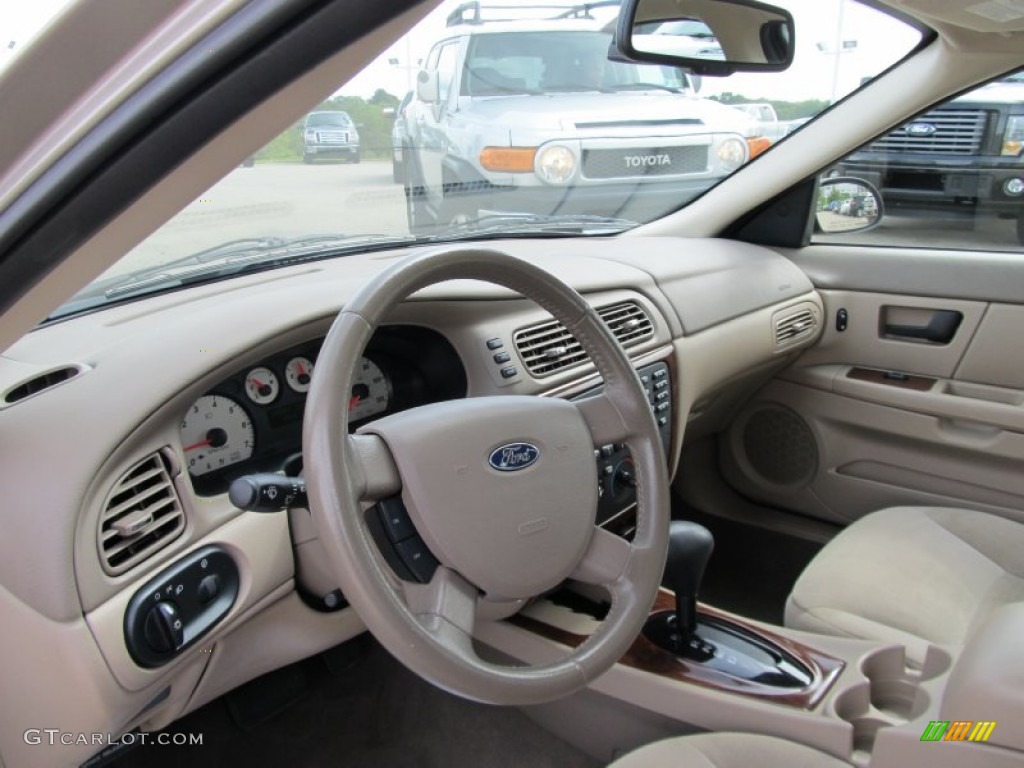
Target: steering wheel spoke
[[603, 418], [372, 467], [445, 607], [605, 560]]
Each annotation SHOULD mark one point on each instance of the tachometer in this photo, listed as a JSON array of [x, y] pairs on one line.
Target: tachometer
[[370, 393], [216, 433]]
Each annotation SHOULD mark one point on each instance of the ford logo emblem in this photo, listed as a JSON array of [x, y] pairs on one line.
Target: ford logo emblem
[[512, 457], [921, 129]]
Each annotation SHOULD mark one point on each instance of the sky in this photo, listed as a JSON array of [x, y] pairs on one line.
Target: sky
[[873, 42]]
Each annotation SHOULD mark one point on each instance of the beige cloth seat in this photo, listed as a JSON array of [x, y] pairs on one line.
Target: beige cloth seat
[[727, 750], [912, 575]]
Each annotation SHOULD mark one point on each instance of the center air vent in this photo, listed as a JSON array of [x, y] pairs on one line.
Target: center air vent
[[548, 347], [141, 516], [795, 323]]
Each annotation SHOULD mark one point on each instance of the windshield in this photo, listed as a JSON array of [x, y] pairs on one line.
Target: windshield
[[318, 119], [539, 62], [517, 123]]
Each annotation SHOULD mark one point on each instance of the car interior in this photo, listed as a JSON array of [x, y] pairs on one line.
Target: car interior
[[718, 489]]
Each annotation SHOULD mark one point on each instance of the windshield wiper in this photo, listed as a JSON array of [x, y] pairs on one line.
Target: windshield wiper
[[646, 87], [230, 259], [499, 225]]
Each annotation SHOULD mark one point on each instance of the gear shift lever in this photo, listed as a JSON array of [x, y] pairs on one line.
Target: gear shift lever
[[689, 547]]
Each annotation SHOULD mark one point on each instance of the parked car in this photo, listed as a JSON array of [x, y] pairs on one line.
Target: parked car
[[284, 483], [329, 134], [517, 116], [962, 159], [400, 140]]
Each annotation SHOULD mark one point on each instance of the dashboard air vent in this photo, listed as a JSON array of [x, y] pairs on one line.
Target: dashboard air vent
[[794, 324], [548, 347], [141, 516], [39, 383]]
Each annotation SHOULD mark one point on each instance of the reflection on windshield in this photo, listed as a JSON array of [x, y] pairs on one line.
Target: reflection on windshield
[[554, 61], [509, 119]]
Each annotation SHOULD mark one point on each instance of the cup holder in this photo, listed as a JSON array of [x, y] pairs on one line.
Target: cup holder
[[890, 695]]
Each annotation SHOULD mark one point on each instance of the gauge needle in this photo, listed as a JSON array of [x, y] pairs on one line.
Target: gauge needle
[[353, 402], [200, 444], [257, 382]]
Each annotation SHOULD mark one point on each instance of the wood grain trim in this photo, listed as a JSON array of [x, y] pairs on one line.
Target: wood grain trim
[[648, 657], [916, 383]]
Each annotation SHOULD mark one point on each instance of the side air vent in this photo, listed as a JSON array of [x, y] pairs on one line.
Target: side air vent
[[43, 381], [141, 516], [794, 324], [548, 347]]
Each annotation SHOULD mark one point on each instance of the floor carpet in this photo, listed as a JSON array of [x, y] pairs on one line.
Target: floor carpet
[[375, 714]]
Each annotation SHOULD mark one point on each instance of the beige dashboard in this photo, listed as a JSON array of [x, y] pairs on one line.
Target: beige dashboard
[[720, 314]]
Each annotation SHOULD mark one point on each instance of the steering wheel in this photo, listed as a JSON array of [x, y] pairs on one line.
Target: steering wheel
[[503, 491]]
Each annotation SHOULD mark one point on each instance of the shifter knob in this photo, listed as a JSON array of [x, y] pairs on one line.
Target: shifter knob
[[689, 547]]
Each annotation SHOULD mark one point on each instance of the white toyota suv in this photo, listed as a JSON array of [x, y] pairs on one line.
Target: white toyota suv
[[532, 117]]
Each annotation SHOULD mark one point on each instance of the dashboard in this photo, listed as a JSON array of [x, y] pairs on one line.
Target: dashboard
[[251, 421], [175, 413]]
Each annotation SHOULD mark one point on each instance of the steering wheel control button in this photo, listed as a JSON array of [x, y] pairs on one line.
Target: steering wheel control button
[[180, 605], [417, 558], [495, 344], [396, 520]]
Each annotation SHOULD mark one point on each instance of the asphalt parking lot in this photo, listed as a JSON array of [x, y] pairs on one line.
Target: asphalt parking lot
[[294, 200]]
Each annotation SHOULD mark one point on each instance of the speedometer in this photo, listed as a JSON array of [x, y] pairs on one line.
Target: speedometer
[[371, 391], [216, 433]]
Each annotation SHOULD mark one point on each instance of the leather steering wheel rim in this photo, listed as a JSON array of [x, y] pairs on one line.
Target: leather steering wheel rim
[[429, 627]]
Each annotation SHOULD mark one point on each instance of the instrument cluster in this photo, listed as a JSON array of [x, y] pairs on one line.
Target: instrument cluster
[[252, 420]]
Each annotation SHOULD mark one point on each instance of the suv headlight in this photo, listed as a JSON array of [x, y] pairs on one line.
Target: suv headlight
[[556, 164], [732, 153], [310, 135], [1013, 139]]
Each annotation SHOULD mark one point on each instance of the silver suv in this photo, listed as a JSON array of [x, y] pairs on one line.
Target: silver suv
[[520, 117], [329, 134]]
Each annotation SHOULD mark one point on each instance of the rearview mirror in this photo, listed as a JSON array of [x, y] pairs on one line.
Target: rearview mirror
[[708, 37], [846, 204]]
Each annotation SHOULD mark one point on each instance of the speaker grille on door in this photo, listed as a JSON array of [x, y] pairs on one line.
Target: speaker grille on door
[[779, 446]]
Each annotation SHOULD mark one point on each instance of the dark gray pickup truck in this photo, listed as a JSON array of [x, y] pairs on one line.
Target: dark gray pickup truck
[[964, 157]]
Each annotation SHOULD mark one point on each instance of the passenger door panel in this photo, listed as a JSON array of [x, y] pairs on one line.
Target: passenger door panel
[[870, 418]]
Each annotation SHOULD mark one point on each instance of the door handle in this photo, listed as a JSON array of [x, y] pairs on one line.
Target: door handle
[[941, 328]]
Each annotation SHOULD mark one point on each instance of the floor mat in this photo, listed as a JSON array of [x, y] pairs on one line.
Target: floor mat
[[752, 569], [376, 714]]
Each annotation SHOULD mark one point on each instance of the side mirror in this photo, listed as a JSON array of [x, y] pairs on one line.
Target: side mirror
[[708, 37], [428, 88], [846, 204]]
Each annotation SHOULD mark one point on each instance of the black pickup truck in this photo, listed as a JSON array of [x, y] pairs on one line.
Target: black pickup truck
[[961, 158]]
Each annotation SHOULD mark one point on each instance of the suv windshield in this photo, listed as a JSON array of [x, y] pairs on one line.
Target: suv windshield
[[318, 119], [515, 123], [536, 62]]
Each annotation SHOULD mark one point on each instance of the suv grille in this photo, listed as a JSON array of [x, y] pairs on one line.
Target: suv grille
[[549, 347], [648, 161], [332, 137], [951, 132]]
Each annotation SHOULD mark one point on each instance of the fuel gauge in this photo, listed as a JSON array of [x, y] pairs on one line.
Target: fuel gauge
[[298, 373], [262, 386]]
